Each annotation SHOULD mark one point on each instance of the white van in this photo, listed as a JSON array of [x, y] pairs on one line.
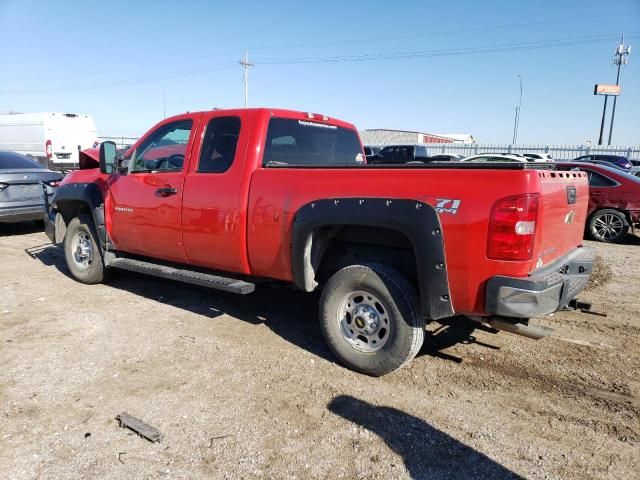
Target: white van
[[52, 139]]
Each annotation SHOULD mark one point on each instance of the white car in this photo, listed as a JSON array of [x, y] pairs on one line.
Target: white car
[[54, 140], [494, 157], [539, 157]]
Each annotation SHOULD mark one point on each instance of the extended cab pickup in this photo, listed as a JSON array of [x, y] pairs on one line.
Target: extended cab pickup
[[225, 197]]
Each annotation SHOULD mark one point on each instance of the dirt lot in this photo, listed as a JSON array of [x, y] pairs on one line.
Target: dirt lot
[[243, 387]]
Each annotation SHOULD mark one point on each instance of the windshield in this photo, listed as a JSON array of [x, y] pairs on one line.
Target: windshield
[[303, 142], [10, 160]]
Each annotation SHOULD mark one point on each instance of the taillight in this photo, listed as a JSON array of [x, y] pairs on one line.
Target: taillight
[[48, 149], [512, 227], [53, 183]]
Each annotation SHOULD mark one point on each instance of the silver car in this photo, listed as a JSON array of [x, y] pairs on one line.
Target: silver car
[[23, 183]]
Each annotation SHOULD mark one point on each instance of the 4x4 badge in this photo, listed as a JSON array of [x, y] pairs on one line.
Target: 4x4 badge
[[447, 205]]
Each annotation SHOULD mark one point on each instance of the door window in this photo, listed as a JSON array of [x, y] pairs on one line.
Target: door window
[[219, 145], [597, 180], [164, 149]]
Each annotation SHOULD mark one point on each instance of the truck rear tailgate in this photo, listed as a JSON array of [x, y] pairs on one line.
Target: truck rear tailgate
[[562, 215]]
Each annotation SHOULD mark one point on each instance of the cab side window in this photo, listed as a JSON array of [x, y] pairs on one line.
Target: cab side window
[[164, 149], [219, 145]]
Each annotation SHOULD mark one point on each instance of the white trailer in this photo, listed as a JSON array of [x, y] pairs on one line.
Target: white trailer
[[52, 139]]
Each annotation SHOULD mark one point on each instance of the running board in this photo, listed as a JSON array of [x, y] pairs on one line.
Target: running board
[[514, 325], [216, 282]]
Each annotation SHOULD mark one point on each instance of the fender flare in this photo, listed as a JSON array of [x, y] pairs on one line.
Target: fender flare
[[418, 221], [89, 194]]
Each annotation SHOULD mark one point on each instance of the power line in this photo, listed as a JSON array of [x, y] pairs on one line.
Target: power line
[[376, 57], [128, 81], [441, 33], [357, 40]]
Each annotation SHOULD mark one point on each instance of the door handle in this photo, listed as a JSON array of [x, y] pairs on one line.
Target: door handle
[[166, 191]]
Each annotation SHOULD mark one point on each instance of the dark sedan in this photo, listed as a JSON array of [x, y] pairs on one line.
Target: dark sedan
[[618, 160], [614, 201], [22, 184]]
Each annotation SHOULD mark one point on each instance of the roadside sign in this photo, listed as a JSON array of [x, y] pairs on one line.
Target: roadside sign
[[606, 89]]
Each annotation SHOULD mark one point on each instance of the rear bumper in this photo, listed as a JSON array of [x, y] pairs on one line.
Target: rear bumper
[[61, 166], [49, 223], [21, 214], [544, 291]]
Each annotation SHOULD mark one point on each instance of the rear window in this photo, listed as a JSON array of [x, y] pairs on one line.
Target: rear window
[[303, 142], [15, 160]]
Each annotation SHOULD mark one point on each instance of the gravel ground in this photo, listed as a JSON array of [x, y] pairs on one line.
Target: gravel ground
[[245, 388]]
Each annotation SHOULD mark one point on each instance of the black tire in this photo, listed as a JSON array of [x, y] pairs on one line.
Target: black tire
[[608, 225], [93, 270], [401, 313]]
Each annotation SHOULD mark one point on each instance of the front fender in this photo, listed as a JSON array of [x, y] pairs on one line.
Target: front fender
[[71, 197]]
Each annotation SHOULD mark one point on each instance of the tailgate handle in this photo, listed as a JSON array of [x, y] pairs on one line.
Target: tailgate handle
[[571, 195]]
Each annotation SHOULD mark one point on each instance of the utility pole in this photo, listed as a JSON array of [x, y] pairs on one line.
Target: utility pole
[[516, 120], [619, 59], [604, 113], [245, 76]]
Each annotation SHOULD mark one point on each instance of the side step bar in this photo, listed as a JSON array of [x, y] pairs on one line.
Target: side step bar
[[516, 326], [216, 282]]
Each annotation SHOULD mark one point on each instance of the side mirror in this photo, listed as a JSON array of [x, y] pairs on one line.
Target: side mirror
[[108, 160]]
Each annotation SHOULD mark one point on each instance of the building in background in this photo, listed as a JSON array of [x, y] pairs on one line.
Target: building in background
[[458, 137], [379, 136]]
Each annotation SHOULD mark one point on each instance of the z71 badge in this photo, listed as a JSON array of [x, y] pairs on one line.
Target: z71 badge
[[447, 205]]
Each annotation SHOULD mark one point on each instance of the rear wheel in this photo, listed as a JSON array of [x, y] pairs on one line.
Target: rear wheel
[[82, 252], [370, 318], [608, 225]]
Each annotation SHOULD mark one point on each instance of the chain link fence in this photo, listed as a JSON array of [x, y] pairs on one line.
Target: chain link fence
[[558, 152], [120, 141]]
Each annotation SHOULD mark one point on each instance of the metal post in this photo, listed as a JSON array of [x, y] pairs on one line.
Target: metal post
[[519, 112], [245, 76], [515, 127], [604, 112], [618, 59]]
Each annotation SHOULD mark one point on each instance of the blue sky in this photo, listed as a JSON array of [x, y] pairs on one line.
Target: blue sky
[[115, 59]]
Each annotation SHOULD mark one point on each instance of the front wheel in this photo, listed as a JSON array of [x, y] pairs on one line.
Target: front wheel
[[608, 225], [82, 252], [370, 318]]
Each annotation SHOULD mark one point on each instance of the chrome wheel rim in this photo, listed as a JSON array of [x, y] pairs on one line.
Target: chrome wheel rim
[[608, 226], [364, 321], [82, 250]]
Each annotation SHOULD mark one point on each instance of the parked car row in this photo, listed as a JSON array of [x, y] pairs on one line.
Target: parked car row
[[614, 182], [23, 183], [413, 153]]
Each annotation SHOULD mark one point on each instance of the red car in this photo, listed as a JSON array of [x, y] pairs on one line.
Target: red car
[[222, 197], [614, 201]]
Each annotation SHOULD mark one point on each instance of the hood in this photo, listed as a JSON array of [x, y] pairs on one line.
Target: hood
[[89, 158]]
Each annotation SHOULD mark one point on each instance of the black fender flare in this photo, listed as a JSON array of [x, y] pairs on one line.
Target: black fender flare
[[418, 221], [91, 196]]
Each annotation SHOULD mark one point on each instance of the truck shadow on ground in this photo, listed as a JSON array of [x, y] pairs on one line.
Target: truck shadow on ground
[[427, 452], [289, 313]]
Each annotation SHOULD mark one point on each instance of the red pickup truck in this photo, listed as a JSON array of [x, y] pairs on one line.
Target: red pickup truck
[[224, 197]]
